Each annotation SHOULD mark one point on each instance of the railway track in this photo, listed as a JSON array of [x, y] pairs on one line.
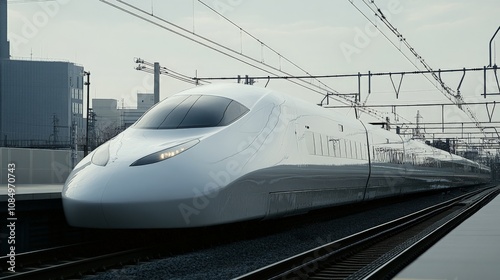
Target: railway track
[[73, 260], [113, 249], [87, 258], [379, 252]]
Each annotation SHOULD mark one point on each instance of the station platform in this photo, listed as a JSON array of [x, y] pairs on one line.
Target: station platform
[[39, 218], [32, 192], [470, 251]]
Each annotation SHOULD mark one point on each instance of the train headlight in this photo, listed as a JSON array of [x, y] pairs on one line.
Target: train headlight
[[166, 154], [101, 155]]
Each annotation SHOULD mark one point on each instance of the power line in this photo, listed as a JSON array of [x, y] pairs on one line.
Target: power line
[[227, 51], [148, 67], [208, 43], [356, 75], [378, 13], [415, 105], [28, 1], [451, 123], [265, 45], [447, 92], [239, 55]]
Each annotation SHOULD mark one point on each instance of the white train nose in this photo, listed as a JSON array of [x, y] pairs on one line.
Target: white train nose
[[139, 198], [82, 195]]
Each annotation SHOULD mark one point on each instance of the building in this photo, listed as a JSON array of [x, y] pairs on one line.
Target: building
[[107, 120], [110, 120], [41, 102], [4, 44], [145, 101], [130, 116]]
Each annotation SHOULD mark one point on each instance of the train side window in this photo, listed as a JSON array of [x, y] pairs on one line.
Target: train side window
[[344, 148], [322, 151], [324, 144], [309, 141], [348, 148], [317, 144], [329, 150], [341, 148], [314, 143], [334, 147], [355, 155]]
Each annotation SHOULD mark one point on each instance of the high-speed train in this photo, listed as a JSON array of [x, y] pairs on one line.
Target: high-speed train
[[228, 152]]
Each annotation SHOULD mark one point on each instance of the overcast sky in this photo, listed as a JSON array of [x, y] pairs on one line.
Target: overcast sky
[[322, 36]]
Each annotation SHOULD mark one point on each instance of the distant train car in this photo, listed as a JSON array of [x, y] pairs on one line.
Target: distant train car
[[227, 152]]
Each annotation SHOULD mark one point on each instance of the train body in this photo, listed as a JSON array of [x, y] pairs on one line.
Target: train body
[[227, 152]]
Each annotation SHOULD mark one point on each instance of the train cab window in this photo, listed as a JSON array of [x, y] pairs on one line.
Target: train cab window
[[192, 112]]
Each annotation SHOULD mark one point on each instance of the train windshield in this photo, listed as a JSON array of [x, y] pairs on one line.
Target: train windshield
[[192, 111]]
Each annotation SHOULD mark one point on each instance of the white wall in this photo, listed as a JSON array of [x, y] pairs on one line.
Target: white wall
[[36, 166]]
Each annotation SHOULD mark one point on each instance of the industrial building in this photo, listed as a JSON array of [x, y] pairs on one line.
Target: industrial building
[[41, 102]]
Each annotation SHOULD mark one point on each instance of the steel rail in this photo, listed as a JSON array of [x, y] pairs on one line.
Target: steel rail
[[396, 263], [70, 264], [305, 264], [33, 258], [80, 266]]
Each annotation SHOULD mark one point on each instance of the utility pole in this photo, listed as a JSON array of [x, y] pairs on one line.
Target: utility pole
[[418, 135], [87, 83], [156, 94], [91, 129], [156, 71], [74, 143], [491, 41], [55, 131]]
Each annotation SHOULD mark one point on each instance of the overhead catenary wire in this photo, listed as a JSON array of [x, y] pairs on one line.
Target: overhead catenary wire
[[414, 105], [231, 53], [280, 56], [143, 66], [28, 1], [447, 91], [204, 41], [379, 14], [356, 74]]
